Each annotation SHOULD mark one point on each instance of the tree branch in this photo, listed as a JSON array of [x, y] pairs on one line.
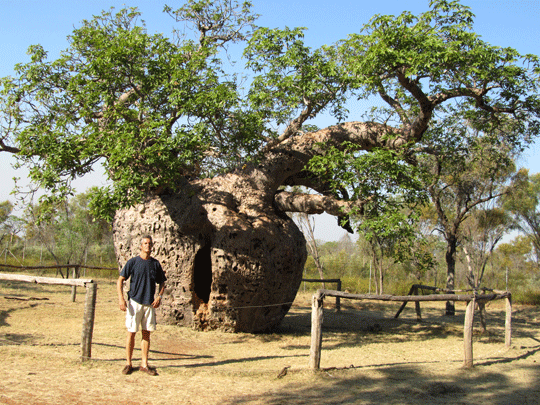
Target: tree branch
[[314, 203], [420, 124], [7, 148]]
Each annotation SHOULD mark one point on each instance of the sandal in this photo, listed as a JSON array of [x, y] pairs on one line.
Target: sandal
[[127, 370], [148, 370]]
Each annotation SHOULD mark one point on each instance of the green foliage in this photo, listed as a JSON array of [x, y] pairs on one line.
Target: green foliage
[[527, 297], [290, 77], [440, 50], [6, 207], [157, 111], [382, 180], [72, 234], [416, 255], [523, 203]]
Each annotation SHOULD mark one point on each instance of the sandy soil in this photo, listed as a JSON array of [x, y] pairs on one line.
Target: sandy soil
[[368, 357]]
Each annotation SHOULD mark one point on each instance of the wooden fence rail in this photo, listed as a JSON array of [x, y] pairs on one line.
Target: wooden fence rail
[[329, 280], [317, 315], [89, 306], [63, 266]]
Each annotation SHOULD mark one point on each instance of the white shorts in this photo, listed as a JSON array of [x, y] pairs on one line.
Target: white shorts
[[143, 316]]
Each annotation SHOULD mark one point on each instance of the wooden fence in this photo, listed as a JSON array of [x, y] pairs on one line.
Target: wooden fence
[[329, 280], [89, 306], [75, 273], [75, 267], [471, 299]]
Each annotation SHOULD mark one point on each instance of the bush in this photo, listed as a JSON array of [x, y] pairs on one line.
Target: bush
[[526, 297]]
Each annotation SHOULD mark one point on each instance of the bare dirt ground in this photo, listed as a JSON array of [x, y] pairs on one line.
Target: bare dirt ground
[[368, 357]]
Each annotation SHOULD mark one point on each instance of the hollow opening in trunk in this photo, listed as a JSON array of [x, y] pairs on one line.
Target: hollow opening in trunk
[[202, 273]]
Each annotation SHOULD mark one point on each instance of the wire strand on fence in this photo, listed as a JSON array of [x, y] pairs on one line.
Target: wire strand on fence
[[263, 306]]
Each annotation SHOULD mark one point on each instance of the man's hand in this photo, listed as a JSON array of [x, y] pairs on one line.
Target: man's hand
[[157, 302], [122, 304]]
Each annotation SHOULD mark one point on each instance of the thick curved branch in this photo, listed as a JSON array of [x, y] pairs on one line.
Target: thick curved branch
[[314, 203], [290, 157], [366, 135]]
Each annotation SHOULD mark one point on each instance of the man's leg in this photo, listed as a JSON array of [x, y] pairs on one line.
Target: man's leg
[[130, 345], [145, 348]]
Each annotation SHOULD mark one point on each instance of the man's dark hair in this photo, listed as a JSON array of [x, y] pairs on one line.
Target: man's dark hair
[[147, 237]]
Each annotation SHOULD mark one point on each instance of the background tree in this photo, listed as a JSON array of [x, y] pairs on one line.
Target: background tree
[[6, 208], [523, 204], [482, 232], [517, 260], [418, 253], [199, 157], [10, 228], [71, 231], [307, 226], [463, 168]]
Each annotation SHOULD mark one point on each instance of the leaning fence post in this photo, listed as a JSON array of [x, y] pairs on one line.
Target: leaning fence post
[[411, 292], [88, 321], [468, 334], [316, 330]]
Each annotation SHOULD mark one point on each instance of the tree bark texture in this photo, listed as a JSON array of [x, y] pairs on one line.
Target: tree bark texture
[[451, 272]]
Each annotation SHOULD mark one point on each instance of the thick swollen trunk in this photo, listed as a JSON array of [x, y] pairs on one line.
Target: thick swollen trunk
[[233, 261]]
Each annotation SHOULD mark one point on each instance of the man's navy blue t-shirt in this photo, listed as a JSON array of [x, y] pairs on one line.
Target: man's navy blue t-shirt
[[145, 274]]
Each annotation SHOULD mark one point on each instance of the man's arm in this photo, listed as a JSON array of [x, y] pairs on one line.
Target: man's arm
[[157, 300], [120, 289]]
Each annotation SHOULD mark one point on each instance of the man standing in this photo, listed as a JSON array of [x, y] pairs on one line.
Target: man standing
[[144, 273]]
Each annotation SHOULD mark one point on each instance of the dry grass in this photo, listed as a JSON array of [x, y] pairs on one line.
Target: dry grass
[[368, 357]]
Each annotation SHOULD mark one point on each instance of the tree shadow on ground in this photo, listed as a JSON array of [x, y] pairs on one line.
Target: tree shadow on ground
[[360, 327], [369, 322], [14, 338], [23, 287], [4, 315], [397, 385], [8, 339]]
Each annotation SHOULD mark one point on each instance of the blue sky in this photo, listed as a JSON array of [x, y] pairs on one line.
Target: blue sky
[[514, 23]]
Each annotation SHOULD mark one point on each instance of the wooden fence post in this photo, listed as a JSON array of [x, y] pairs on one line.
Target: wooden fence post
[[88, 321], [338, 300], [74, 288], [417, 306], [402, 307], [468, 334], [508, 322], [316, 330]]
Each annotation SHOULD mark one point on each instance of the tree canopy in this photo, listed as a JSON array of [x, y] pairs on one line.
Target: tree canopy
[[158, 110], [524, 206]]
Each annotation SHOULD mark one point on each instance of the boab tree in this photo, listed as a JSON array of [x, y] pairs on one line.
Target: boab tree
[[199, 155]]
